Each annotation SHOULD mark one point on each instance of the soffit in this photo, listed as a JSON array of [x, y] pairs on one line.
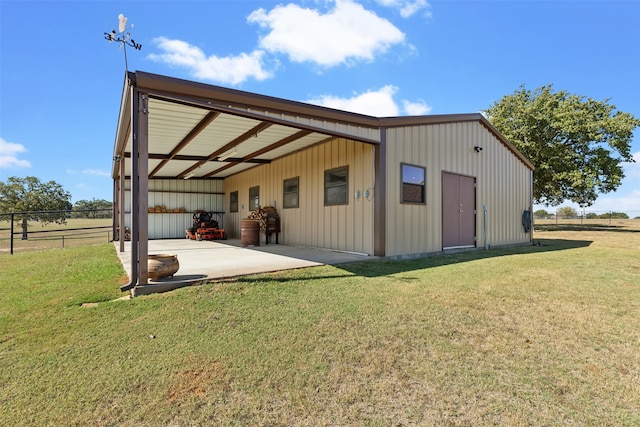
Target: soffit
[[195, 140]]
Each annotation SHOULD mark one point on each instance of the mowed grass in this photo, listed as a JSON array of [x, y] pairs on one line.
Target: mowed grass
[[537, 335], [53, 235]]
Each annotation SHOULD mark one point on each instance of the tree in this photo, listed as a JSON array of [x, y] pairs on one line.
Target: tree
[[577, 144], [541, 213], [567, 212], [32, 197], [92, 209]]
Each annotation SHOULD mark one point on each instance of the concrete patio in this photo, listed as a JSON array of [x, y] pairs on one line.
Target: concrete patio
[[208, 260]]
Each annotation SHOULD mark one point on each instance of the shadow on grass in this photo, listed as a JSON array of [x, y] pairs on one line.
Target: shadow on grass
[[585, 227], [386, 267]]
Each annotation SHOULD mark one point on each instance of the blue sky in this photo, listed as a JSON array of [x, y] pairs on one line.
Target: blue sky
[[61, 81]]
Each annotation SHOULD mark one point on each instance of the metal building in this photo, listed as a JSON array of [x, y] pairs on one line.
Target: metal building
[[395, 187]]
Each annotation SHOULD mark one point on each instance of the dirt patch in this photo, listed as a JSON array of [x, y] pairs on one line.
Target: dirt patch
[[210, 376]]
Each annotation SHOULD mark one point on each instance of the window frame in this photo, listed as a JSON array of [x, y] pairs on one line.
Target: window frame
[[257, 198], [423, 186], [327, 173], [296, 192], [232, 201]]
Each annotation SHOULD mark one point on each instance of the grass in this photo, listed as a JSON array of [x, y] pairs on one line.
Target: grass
[[54, 236], [542, 335]]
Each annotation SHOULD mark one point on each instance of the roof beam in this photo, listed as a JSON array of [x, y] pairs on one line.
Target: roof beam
[[237, 141], [250, 157], [191, 158], [197, 129]]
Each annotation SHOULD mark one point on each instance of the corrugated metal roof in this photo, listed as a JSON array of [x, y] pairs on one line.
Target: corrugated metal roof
[[203, 131]]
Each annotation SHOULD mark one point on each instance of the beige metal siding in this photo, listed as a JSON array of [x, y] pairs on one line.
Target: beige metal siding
[[503, 184], [348, 227]]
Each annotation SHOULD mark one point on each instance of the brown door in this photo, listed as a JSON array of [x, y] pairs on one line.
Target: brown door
[[458, 211]]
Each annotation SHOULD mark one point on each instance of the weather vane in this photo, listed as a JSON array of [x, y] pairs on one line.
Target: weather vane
[[123, 38]]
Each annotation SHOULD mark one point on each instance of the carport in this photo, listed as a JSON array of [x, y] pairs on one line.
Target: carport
[[172, 129]]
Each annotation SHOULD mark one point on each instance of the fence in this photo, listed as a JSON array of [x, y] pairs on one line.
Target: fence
[[29, 231], [586, 217]]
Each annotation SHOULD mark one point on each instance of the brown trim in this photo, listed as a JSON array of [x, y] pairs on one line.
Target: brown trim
[[158, 83], [324, 186], [380, 196], [235, 111], [455, 118], [197, 129], [228, 146], [402, 183], [191, 158], [248, 158]]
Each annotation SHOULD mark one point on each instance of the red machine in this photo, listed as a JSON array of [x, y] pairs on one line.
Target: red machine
[[204, 227]]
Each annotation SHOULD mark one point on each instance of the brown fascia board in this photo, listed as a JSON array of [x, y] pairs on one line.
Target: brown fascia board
[[163, 84], [123, 127], [455, 118]]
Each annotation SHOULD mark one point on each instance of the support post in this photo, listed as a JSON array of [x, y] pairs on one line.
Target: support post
[[11, 238], [143, 187], [379, 198]]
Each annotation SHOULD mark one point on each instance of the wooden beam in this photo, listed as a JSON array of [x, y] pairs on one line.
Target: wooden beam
[[237, 141], [197, 129], [248, 158]]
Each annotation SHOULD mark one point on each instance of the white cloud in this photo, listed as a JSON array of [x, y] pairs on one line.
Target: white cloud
[[92, 172], [407, 8], [415, 108], [632, 170], [344, 34], [96, 172], [9, 155], [377, 103], [231, 69]]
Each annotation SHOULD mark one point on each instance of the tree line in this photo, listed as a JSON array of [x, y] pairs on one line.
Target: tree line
[[569, 212]]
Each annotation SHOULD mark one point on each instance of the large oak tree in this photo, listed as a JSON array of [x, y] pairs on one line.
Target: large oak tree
[[577, 144], [31, 198]]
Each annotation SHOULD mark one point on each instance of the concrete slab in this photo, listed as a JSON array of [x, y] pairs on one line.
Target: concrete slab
[[207, 260]]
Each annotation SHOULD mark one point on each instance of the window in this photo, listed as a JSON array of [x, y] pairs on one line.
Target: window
[[290, 193], [335, 186], [254, 198], [233, 201], [413, 184]]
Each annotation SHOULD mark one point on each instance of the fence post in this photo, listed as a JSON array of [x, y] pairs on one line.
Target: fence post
[[63, 241], [11, 236]]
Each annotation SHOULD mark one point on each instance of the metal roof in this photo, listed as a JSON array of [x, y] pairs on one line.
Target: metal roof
[[197, 130]]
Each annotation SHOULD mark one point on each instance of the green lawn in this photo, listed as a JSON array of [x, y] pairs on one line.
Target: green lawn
[[75, 232], [540, 335]]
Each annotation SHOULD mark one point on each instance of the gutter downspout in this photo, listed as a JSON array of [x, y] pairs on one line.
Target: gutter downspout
[[135, 216]]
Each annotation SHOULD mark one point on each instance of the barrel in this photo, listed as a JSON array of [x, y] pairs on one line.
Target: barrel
[[249, 232]]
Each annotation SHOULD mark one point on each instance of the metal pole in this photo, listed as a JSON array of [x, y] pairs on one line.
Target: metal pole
[[11, 238], [486, 238]]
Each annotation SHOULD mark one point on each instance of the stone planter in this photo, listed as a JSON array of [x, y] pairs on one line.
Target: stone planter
[[162, 265]]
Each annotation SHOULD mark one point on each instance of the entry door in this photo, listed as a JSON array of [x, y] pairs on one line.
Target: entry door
[[458, 211]]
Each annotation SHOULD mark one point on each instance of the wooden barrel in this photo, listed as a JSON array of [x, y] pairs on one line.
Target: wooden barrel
[[249, 232], [162, 265]]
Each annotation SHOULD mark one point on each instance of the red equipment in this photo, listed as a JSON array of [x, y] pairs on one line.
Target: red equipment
[[204, 227]]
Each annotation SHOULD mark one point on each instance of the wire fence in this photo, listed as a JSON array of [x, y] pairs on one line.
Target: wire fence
[[574, 216], [40, 230]]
